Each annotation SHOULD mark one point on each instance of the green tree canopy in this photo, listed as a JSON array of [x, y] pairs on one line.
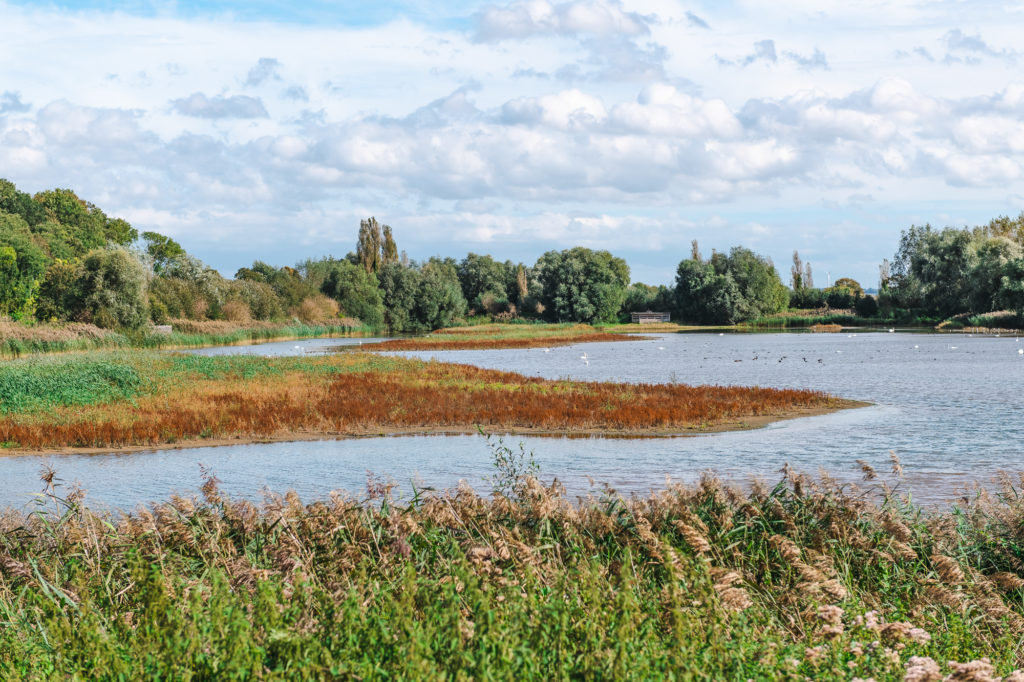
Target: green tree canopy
[[22, 264], [400, 286], [641, 297], [162, 249], [369, 244], [853, 285], [581, 285], [113, 288], [356, 291], [704, 296], [481, 275], [439, 300]]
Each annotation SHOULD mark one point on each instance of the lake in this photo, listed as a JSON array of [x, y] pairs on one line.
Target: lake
[[950, 406]]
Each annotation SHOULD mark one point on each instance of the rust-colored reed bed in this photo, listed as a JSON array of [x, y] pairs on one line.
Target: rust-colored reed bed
[[395, 395], [832, 328]]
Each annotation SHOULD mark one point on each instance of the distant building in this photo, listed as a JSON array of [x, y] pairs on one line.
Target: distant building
[[650, 318]]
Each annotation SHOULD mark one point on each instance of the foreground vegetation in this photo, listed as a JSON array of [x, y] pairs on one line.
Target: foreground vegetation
[[807, 580], [140, 398]]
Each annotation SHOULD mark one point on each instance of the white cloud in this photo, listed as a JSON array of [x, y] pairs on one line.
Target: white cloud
[[662, 109], [529, 18], [237, 106], [10, 102], [543, 122]]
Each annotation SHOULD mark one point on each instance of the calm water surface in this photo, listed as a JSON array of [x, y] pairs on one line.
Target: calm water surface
[[951, 407]]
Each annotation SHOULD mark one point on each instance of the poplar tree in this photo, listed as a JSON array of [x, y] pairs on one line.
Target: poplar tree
[[368, 249], [388, 250]]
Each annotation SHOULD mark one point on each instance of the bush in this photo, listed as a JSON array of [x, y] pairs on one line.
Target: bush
[[317, 308], [867, 306], [236, 311], [59, 293], [492, 303], [113, 286], [259, 297], [807, 299], [839, 297]]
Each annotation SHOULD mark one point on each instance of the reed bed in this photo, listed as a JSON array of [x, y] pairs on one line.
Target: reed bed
[[18, 339], [805, 580], [496, 336], [174, 398]]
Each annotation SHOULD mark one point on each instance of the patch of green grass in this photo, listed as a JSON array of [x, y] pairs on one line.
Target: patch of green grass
[[45, 382]]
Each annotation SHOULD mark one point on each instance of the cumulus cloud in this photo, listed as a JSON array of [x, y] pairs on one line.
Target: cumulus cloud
[[295, 92], [265, 68], [528, 18], [237, 106], [817, 60], [764, 51], [967, 48], [695, 21], [554, 121], [10, 103]]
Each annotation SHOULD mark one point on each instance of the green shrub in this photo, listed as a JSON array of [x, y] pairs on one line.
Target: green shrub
[[866, 306]]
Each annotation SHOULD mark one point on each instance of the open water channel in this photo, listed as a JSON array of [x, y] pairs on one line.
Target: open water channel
[[950, 406]]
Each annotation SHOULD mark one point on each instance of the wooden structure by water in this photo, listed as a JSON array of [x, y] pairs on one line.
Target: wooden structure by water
[[649, 317]]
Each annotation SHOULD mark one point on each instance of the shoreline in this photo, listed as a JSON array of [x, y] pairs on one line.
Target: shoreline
[[299, 436]]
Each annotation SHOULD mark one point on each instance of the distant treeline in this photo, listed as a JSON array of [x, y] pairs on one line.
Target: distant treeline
[[64, 259]]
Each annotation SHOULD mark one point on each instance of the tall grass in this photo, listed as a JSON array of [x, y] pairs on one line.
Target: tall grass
[[798, 321], [806, 580], [1003, 321], [45, 382], [16, 341]]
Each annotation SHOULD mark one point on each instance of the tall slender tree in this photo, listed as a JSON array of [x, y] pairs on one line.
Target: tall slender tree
[[368, 249], [796, 273], [388, 250]]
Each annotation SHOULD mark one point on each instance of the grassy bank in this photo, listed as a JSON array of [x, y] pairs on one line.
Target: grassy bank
[[802, 581], [494, 336], [138, 398], [18, 339], [802, 319]]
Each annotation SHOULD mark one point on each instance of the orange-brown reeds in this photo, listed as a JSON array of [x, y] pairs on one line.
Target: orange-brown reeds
[[393, 394]]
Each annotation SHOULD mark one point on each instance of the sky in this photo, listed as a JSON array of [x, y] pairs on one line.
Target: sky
[[266, 130]]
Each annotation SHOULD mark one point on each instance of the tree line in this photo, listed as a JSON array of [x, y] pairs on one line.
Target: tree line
[[63, 259]]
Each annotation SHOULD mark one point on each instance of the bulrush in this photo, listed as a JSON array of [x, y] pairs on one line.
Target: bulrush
[[689, 581]]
